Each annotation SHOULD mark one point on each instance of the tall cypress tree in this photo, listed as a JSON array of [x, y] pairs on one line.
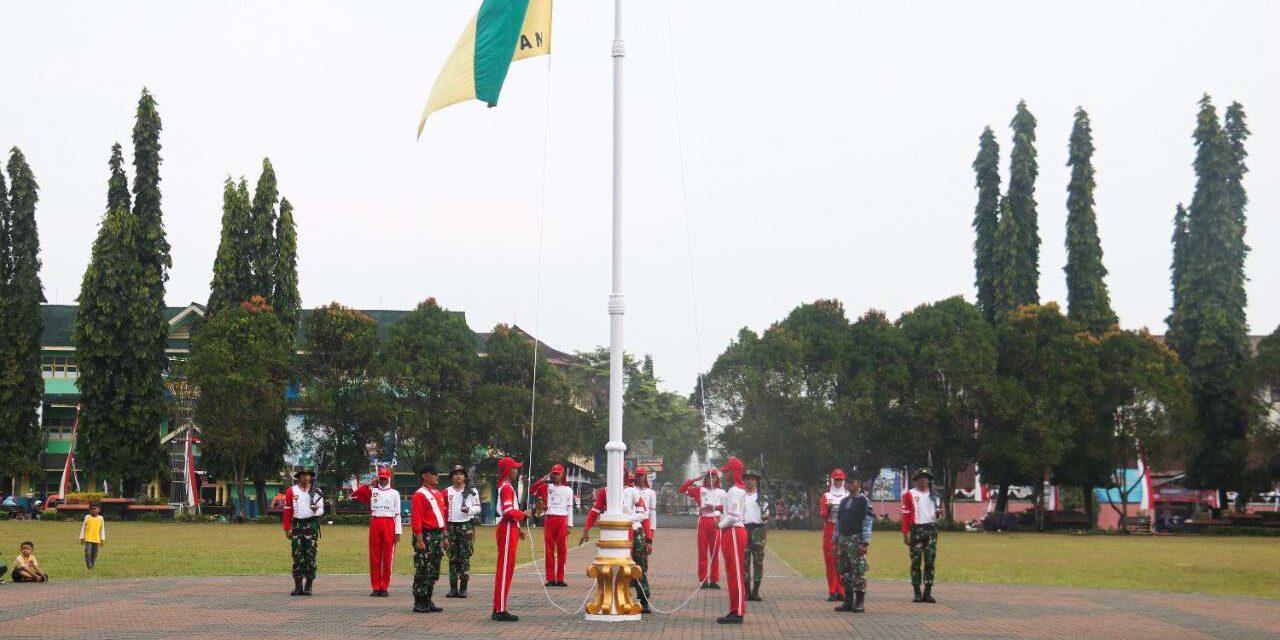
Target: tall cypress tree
[[1088, 301], [262, 225], [287, 300], [1213, 334], [113, 332], [1237, 132], [1023, 170], [21, 387], [1177, 267], [1005, 258], [232, 269], [6, 242], [986, 219]]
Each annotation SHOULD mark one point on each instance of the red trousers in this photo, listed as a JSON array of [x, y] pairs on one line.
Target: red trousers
[[834, 583], [508, 543], [382, 551], [708, 533], [555, 533], [733, 543]]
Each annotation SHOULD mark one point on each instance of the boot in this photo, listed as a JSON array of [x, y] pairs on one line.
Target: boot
[[462, 585], [833, 597], [503, 616], [858, 604], [755, 592], [928, 594], [297, 586], [714, 585], [453, 587], [644, 600], [918, 598], [847, 605], [732, 618], [431, 606], [420, 605], [306, 588]]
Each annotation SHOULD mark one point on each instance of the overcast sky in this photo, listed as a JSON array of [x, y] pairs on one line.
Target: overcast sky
[[827, 148]]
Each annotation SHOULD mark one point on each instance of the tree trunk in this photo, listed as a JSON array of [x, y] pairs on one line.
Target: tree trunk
[[260, 488], [1002, 497], [240, 506], [1038, 499], [1090, 505], [949, 495]]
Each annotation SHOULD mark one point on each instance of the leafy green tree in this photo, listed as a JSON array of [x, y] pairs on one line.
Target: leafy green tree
[[431, 365], [872, 431], [986, 219], [120, 393], [1023, 170], [285, 296], [233, 276], [1212, 337], [1005, 258], [21, 294], [1145, 398], [953, 370], [1177, 268], [1264, 440], [1045, 365], [348, 407], [1088, 301], [241, 365], [262, 229]]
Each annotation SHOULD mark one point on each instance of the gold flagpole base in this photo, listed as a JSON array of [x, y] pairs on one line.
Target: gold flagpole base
[[613, 570]]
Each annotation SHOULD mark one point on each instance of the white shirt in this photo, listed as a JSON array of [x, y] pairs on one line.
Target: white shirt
[[751, 513], [833, 498], [650, 498], [926, 510], [634, 507], [456, 500], [735, 507], [559, 500], [385, 503], [300, 500], [710, 501]]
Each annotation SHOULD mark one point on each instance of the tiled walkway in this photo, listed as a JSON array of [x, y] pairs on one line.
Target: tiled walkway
[[238, 608]]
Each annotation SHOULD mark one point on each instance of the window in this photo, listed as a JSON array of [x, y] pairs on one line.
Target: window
[[59, 427], [59, 367]]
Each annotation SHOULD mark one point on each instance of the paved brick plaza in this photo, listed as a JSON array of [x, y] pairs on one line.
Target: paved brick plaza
[[259, 607]]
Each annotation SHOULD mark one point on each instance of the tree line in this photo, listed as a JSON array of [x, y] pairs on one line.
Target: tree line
[[1029, 393]]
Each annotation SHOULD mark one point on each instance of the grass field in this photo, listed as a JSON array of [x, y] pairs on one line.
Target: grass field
[[1218, 565], [135, 550]]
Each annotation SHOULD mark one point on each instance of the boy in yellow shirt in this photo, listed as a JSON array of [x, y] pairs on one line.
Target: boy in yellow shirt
[[25, 567], [93, 534]]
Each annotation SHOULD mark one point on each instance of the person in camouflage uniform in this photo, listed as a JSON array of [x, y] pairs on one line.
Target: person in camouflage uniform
[[464, 508], [640, 548], [852, 538], [303, 506], [920, 533], [427, 516], [754, 519]]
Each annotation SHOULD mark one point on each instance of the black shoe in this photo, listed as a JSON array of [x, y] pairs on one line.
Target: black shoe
[[503, 616], [420, 606], [644, 608], [297, 587], [858, 604], [375, 593], [462, 585], [453, 588], [383, 594], [432, 608], [561, 583], [549, 583], [306, 587], [846, 605], [918, 597], [732, 618], [928, 594], [714, 585], [832, 597]]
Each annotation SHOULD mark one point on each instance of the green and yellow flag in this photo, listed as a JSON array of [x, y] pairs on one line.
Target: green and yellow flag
[[501, 32]]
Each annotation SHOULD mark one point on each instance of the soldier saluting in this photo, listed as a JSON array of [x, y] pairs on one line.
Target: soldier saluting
[[920, 532], [303, 506]]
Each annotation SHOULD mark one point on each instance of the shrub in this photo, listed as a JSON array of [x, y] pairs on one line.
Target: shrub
[[85, 497]]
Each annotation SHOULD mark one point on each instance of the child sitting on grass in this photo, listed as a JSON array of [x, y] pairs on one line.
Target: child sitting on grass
[[26, 568], [93, 534]]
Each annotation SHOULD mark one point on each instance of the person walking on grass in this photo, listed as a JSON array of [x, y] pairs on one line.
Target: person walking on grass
[[25, 567], [303, 506], [853, 537], [93, 535], [920, 533]]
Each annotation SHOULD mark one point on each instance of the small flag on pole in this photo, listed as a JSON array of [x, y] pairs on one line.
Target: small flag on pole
[[501, 32]]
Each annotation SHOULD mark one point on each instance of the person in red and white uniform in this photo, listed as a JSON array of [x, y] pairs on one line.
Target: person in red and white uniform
[[920, 533], [303, 506], [641, 536], [427, 521], [464, 509], [644, 485], [830, 511], [509, 536], [709, 497], [733, 540], [557, 496], [384, 528]]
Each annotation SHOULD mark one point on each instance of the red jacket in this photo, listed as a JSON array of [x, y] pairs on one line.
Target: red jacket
[[602, 504], [507, 504], [423, 516]]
